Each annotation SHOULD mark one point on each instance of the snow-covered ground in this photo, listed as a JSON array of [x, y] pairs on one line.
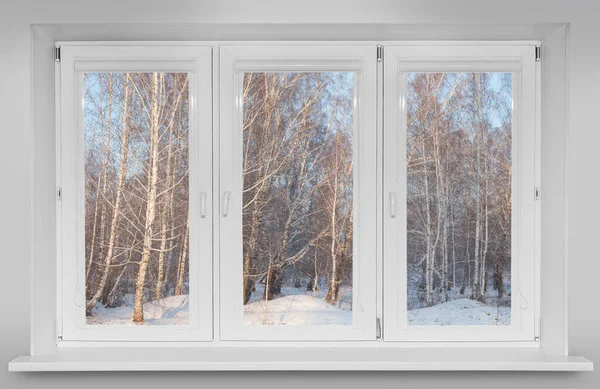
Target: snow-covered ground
[[299, 309], [460, 312], [296, 306], [344, 295], [173, 310], [303, 308], [459, 309]]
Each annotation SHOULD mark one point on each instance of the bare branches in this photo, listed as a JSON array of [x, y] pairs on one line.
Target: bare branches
[[142, 184], [297, 176], [459, 163]]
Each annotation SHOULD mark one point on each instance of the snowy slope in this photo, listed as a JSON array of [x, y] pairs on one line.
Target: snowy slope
[[172, 310], [460, 312], [295, 310]]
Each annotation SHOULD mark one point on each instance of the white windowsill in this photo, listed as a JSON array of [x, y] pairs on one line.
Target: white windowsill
[[271, 359]]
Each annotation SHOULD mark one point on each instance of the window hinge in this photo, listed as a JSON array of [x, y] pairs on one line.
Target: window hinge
[[59, 194], [538, 53], [58, 329], [379, 53], [57, 54], [537, 329], [537, 193], [378, 333]]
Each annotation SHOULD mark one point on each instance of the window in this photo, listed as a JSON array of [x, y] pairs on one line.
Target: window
[[298, 251], [459, 180], [136, 178], [387, 239], [136, 246], [458, 200], [297, 198], [297, 193]]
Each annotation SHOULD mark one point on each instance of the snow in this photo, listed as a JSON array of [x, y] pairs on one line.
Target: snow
[[344, 295], [173, 310], [460, 312], [304, 308], [299, 309], [459, 309]]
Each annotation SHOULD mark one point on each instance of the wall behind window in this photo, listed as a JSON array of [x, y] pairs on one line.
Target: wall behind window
[[16, 170]]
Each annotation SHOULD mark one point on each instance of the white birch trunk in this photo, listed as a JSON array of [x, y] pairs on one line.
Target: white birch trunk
[[138, 311], [116, 208], [170, 181], [183, 259], [101, 190]]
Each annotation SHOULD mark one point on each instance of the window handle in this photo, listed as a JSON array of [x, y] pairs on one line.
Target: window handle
[[203, 205], [392, 204], [226, 198]]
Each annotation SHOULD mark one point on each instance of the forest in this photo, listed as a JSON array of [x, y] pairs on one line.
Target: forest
[[136, 197], [298, 197], [297, 201], [458, 155]]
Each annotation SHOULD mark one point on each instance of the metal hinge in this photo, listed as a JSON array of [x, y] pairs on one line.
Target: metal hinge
[[379, 53], [537, 193], [57, 54], [538, 53], [537, 329], [378, 331], [58, 323], [59, 194]]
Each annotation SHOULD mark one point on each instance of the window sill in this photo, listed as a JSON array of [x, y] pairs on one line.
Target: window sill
[[288, 359]]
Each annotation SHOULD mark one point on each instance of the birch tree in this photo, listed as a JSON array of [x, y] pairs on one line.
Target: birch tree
[[138, 172], [138, 311], [108, 255], [458, 158]]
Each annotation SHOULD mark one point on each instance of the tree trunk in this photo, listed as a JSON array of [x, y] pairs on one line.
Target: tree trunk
[[273, 282], [170, 181], [249, 254], [476, 270], [273, 287], [453, 247], [442, 209], [334, 287], [483, 277], [468, 237], [430, 250], [138, 309], [332, 296], [183, 259], [172, 242], [116, 208], [335, 265], [343, 257], [499, 279]]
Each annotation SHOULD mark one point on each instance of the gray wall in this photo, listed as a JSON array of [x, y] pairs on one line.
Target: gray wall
[[16, 16]]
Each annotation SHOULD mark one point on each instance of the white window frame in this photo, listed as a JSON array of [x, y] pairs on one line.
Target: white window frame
[[75, 61], [234, 61], [519, 59], [49, 353]]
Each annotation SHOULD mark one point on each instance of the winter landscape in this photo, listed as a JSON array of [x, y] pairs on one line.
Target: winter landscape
[[298, 198], [298, 203], [459, 153], [136, 198]]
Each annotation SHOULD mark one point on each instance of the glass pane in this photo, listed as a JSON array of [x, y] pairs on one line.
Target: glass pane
[[298, 198], [459, 142], [136, 198]]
